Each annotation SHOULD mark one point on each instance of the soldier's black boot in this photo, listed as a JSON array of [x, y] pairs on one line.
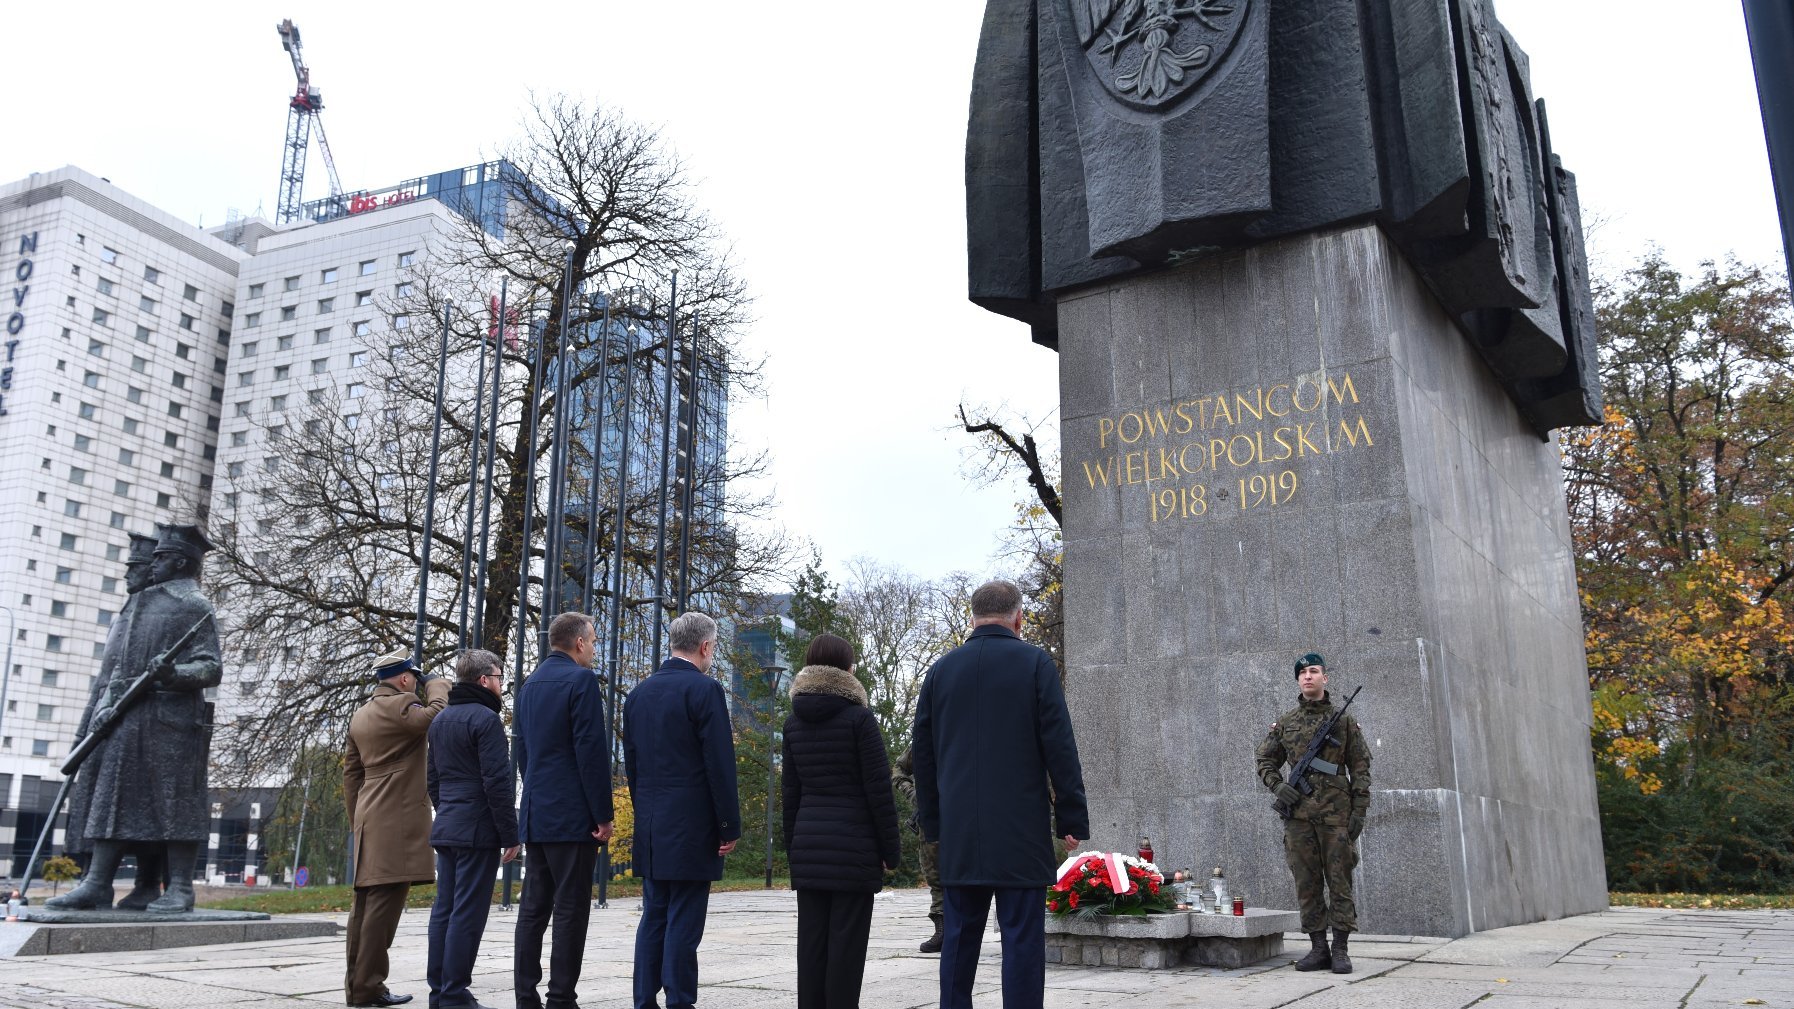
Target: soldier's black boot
[[151, 862], [178, 899], [932, 944], [95, 889], [1342, 961], [1318, 957]]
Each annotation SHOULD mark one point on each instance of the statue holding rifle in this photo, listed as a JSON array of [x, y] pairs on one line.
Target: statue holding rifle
[[143, 758]]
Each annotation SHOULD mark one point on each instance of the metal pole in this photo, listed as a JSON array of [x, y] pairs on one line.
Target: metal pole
[[688, 484], [43, 836], [772, 709], [1770, 25], [473, 484], [624, 451], [498, 360], [528, 462], [299, 843], [423, 580], [555, 538], [12, 631], [587, 591], [666, 458]]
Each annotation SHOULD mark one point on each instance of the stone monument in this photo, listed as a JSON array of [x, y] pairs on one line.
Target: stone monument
[[1317, 285], [143, 785]]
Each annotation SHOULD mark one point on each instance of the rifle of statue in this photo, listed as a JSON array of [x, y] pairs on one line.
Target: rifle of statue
[[1311, 757], [98, 731]]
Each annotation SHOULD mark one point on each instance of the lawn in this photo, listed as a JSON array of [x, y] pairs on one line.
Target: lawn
[[1704, 901]]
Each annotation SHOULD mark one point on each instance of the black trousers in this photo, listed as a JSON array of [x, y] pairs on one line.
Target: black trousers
[[373, 920], [557, 882], [1021, 915], [458, 920], [832, 931]]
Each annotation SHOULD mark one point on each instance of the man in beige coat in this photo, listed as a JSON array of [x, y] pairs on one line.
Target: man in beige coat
[[386, 789]]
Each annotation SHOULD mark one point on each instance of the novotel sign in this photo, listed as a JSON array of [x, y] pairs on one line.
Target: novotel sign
[[15, 317]]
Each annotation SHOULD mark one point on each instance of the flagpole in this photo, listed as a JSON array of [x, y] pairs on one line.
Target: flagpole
[[588, 592], [423, 580], [473, 484], [498, 360], [666, 457]]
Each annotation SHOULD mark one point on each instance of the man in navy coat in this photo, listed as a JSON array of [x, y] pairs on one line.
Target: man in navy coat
[[473, 793], [563, 756], [679, 755], [996, 764]]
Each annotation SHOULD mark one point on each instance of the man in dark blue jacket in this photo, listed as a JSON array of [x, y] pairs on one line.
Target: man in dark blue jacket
[[995, 764], [469, 778], [564, 759], [679, 755]]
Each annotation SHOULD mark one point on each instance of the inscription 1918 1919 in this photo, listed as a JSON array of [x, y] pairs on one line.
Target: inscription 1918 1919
[[1242, 449]]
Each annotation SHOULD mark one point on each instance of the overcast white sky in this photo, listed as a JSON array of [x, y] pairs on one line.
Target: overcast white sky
[[828, 140]]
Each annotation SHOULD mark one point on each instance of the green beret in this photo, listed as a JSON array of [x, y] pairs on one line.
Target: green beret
[[1311, 659]]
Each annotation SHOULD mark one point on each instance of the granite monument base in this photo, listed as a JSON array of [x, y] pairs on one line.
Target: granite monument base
[[1168, 941], [1292, 448], [45, 931]]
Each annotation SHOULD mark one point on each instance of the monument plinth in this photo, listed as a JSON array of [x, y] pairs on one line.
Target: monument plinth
[[1317, 282], [1290, 448]]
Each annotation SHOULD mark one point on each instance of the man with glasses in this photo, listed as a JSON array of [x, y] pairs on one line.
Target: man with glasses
[[564, 760], [476, 822]]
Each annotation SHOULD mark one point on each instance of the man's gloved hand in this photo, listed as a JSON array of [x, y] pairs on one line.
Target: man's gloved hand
[[1356, 826], [1287, 794], [428, 678]]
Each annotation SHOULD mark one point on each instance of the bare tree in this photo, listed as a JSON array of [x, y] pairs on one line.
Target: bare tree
[[1003, 451], [321, 546], [901, 625]]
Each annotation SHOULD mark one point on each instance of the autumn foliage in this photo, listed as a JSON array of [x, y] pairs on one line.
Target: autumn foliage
[[1682, 516]]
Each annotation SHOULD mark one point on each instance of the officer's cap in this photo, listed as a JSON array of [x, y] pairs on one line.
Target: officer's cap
[[143, 548], [1311, 659], [185, 540], [393, 663]]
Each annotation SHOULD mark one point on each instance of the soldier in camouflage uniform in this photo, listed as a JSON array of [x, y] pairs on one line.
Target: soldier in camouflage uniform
[[1320, 837], [905, 782]]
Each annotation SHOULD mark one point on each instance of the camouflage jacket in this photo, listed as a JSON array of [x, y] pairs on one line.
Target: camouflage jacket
[[1336, 797]]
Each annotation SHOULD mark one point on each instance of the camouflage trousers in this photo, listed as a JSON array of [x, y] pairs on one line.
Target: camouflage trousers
[[1322, 856], [931, 871]]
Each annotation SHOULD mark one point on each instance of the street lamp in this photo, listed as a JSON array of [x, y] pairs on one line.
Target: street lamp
[[772, 707]]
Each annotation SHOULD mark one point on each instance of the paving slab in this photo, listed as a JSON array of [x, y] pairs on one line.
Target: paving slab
[[1630, 958]]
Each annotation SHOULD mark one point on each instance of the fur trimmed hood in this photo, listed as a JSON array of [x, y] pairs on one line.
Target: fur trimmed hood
[[829, 681]]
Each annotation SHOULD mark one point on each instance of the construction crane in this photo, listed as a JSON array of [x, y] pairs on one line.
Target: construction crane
[[302, 118]]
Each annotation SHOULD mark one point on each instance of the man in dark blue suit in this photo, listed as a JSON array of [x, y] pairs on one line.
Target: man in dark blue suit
[[679, 755], [995, 764], [564, 758], [473, 793]]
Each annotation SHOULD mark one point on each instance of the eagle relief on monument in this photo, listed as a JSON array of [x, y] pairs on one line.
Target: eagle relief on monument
[[1154, 51]]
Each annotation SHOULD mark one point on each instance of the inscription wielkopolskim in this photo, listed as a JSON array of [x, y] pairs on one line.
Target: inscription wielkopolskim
[[1241, 449]]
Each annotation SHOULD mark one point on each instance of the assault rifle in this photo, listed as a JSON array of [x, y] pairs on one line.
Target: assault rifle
[[1311, 757]]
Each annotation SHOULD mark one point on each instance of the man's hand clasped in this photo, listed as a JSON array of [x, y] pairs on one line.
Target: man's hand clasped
[[727, 848], [603, 833]]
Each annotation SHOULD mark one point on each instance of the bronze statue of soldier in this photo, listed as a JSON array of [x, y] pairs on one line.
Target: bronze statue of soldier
[[145, 784]]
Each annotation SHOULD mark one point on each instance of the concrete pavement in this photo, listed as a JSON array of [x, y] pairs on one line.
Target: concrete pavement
[[1621, 959]]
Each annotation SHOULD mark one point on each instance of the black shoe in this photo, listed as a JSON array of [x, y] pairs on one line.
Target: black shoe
[[1342, 962], [932, 944], [383, 1000], [1318, 958], [88, 896]]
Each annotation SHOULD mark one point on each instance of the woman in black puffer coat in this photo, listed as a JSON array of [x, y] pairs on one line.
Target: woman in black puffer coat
[[840, 823]]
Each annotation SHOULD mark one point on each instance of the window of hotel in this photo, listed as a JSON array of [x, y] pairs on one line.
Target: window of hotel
[[358, 358], [139, 364], [401, 322], [246, 378], [101, 317], [77, 475], [146, 305], [58, 608], [70, 541], [402, 290], [290, 284], [363, 329], [407, 258], [91, 379], [133, 394], [86, 410], [326, 306], [255, 290], [320, 336], [103, 285], [281, 372], [83, 443], [234, 469], [130, 425], [175, 409], [252, 320], [51, 676], [363, 299], [357, 390], [183, 350], [250, 348], [96, 348], [108, 254], [152, 275], [117, 521], [283, 343], [278, 402], [328, 276], [168, 470], [190, 292], [71, 508], [186, 321], [229, 309], [319, 365], [128, 457], [242, 409], [121, 488], [143, 334], [367, 267], [180, 380], [164, 500]]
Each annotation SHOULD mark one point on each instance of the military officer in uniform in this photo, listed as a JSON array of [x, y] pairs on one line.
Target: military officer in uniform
[[905, 783], [1320, 838]]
